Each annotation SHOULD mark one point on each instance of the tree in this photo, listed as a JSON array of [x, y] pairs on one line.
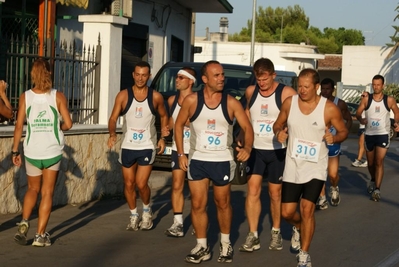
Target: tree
[[291, 25], [394, 37]]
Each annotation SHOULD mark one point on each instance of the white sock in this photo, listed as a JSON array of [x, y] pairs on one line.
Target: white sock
[[179, 218], [203, 242], [146, 208], [255, 234], [134, 211], [225, 238]]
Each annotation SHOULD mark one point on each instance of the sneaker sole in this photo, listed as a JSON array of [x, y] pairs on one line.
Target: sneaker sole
[[146, 228], [167, 233], [223, 260], [37, 244], [335, 204], [203, 258], [254, 248], [275, 248], [20, 240], [132, 229], [322, 207]]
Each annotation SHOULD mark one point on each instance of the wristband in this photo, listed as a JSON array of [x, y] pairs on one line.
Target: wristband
[[15, 153], [180, 155], [163, 138]]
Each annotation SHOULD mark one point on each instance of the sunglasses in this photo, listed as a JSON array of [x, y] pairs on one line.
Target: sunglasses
[[180, 77]]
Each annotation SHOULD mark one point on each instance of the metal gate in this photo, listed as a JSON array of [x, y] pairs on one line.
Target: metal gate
[[76, 73]]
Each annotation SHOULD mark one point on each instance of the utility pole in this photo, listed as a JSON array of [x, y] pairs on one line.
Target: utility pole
[[253, 33]]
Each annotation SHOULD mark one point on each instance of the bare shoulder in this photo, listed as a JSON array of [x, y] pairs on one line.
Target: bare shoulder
[[342, 104], [250, 90], [171, 99], [287, 92]]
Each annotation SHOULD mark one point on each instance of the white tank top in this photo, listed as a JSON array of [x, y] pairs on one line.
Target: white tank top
[[186, 134], [307, 153], [44, 138], [264, 112], [139, 130], [377, 114], [211, 132]]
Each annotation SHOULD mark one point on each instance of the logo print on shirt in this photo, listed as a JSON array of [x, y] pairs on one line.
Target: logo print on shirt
[[139, 112], [41, 114], [264, 109], [211, 124], [377, 109], [314, 124]]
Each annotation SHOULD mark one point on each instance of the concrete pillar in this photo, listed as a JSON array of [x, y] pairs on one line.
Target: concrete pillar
[[109, 28]]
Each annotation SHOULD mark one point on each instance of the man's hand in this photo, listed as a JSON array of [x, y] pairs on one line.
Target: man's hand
[[165, 131], [328, 137], [243, 153], [282, 135], [161, 146]]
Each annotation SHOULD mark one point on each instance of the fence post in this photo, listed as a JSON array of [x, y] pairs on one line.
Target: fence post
[[97, 81], [340, 88]]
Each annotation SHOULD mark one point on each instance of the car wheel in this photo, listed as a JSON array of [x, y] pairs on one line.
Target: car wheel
[[392, 133]]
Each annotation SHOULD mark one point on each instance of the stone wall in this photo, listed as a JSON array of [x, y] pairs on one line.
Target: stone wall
[[88, 170]]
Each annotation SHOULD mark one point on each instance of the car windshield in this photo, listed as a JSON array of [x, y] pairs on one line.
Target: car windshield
[[236, 81]]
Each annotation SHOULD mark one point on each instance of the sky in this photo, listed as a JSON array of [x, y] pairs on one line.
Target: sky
[[373, 17]]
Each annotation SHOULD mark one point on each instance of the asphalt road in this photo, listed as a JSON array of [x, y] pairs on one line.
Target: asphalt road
[[358, 232]]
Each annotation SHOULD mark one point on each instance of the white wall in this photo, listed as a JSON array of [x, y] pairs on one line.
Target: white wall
[[178, 24], [239, 53], [361, 63]]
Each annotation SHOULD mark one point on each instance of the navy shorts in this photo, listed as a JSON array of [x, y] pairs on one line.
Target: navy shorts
[[334, 150], [361, 131], [372, 141], [175, 160], [220, 173], [267, 162], [310, 191], [143, 157]]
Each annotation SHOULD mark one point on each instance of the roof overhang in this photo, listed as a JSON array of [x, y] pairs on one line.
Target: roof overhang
[[76, 3], [302, 55], [207, 6]]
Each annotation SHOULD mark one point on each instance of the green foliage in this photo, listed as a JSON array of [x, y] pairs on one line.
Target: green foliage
[[327, 45], [394, 38], [392, 90], [294, 34], [291, 25], [343, 37]]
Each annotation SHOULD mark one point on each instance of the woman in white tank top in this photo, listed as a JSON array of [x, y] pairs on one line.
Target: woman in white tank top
[[41, 106]]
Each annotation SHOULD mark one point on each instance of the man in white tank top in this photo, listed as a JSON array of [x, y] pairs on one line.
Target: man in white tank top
[[377, 121], [268, 155], [211, 158], [359, 162], [138, 105], [334, 151], [185, 80], [306, 119]]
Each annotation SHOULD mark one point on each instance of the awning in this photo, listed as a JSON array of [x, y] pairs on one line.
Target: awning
[[78, 3], [301, 55], [207, 6]]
